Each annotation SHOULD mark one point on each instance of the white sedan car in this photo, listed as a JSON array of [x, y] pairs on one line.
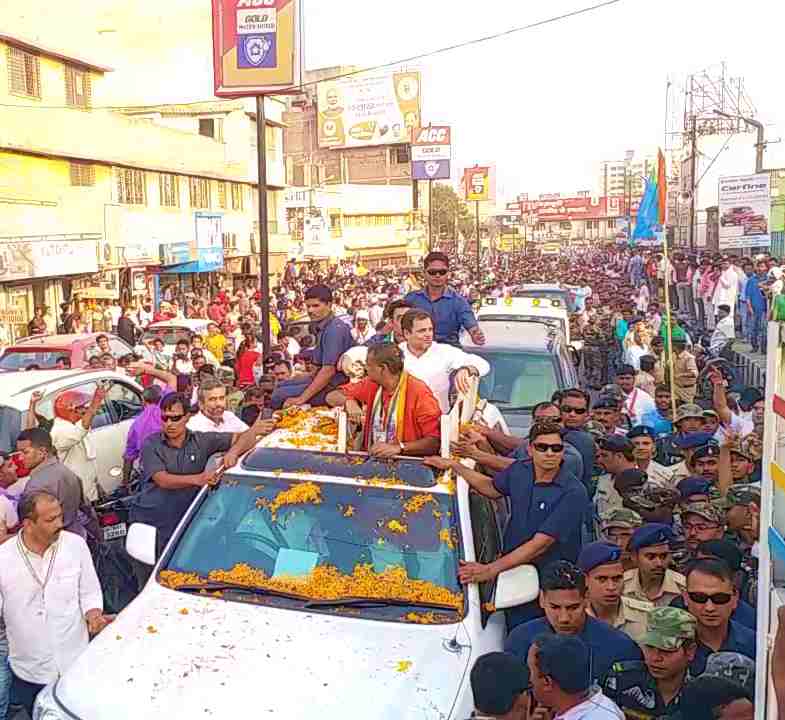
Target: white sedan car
[[307, 582], [170, 331], [111, 423]]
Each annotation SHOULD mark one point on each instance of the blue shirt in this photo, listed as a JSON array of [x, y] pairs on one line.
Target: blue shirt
[[334, 339], [450, 312], [584, 444], [554, 508], [657, 422], [573, 461], [606, 644], [739, 639], [754, 294]]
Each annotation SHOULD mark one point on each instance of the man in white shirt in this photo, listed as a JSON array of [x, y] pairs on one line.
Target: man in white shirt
[[724, 330], [10, 491], [727, 287], [50, 597], [433, 362], [74, 413], [637, 402], [213, 415]]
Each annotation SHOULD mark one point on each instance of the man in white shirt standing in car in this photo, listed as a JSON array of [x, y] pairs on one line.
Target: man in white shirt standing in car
[[50, 597], [213, 415], [433, 362]]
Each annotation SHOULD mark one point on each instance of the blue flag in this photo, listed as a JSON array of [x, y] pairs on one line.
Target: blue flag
[[648, 217]]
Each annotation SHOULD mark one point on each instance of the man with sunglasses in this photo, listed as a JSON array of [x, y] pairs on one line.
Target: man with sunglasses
[[547, 509], [450, 311], [711, 597]]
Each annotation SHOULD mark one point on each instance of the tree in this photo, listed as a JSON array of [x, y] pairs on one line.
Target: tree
[[449, 210]]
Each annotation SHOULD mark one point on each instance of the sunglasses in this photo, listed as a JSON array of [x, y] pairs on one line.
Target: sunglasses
[[576, 411], [437, 272], [716, 598], [172, 418], [555, 448]]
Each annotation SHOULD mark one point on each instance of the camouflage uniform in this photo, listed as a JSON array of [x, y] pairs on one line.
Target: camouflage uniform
[[732, 666], [744, 495], [620, 518], [710, 511], [595, 354], [630, 684]]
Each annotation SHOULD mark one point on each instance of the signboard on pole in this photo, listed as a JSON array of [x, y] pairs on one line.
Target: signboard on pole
[[431, 153], [745, 209], [368, 109], [257, 47], [478, 184]]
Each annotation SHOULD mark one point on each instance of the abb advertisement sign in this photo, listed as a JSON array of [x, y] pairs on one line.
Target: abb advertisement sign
[[577, 208]]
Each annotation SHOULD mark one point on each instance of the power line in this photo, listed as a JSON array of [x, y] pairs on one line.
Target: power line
[[403, 61]]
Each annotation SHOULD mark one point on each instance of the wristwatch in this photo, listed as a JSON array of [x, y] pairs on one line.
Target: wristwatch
[[401, 445]]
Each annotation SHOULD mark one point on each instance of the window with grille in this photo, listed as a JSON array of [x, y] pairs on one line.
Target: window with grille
[[169, 190], [130, 186], [222, 195], [211, 127], [82, 174], [78, 91], [401, 154], [24, 73], [237, 196], [199, 191]]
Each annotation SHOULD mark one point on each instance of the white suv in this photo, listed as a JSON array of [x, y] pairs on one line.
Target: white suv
[[307, 584]]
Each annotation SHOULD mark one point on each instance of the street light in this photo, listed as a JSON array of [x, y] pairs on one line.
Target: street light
[[760, 145]]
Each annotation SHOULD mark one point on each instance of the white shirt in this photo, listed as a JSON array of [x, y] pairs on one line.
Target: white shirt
[[229, 423], [145, 318], [46, 629], [738, 425], [637, 404], [597, 707], [76, 452], [727, 286], [434, 366], [8, 512], [723, 331]]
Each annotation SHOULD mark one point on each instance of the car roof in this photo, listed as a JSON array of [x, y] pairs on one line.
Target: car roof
[[56, 341], [555, 287], [189, 323], [521, 335], [22, 383]]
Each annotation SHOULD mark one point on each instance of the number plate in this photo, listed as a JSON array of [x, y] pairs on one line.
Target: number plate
[[112, 532]]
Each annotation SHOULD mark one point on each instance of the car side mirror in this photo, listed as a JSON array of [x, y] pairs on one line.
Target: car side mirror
[[140, 543], [515, 586]]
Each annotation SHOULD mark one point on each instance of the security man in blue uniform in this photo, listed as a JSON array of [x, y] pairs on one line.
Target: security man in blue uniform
[[334, 338], [652, 689]]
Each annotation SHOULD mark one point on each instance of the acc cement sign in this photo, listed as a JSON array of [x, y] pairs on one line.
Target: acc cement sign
[[431, 152], [745, 211]]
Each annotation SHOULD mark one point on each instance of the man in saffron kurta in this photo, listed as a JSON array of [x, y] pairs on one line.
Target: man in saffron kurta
[[401, 415]]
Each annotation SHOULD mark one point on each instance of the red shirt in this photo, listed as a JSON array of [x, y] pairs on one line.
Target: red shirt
[[216, 313], [243, 367], [421, 413]]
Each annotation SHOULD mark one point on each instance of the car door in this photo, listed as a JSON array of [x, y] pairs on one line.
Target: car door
[[123, 403]]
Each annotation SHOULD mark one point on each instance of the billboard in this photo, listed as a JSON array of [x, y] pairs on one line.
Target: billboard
[[745, 210], [368, 109], [478, 184], [257, 46], [431, 153]]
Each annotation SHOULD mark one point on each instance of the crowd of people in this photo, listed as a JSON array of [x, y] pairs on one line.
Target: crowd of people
[[636, 495]]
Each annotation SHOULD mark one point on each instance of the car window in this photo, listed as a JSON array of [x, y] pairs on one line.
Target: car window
[[118, 348], [124, 401], [46, 407], [487, 544], [517, 380], [22, 359], [169, 335]]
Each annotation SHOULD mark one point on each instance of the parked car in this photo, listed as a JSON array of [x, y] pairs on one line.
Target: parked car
[[111, 423], [737, 215], [45, 350], [359, 647], [529, 360]]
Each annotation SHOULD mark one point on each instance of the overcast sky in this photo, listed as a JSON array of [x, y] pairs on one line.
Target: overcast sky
[[546, 105]]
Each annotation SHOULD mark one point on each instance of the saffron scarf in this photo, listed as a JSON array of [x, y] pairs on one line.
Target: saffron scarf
[[387, 426]]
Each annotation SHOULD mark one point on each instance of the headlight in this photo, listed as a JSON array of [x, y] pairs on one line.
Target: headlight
[[46, 707]]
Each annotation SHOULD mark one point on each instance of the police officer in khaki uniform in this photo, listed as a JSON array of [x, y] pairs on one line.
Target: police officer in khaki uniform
[[601, 563], [652, 580], [652, 688]]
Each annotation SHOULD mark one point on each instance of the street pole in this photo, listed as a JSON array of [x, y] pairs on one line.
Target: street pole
[[430, 215], [693, 168], [264, 238], [477, 226]]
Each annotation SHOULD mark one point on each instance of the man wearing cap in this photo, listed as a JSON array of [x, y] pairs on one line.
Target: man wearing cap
[[500, 686], [652, 580], [605, 411], [732, 666], [602, 565], [636, 402], [743, 521], [652, 688], [711, 597], [644, 447], [654, 503], [685, 372], [334, 338], [563, 598], [687, 419], [616, 527], [701, 521], [688, 444]]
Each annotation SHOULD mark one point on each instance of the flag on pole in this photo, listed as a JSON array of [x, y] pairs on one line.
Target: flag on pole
[[647, 213], [662, 189]]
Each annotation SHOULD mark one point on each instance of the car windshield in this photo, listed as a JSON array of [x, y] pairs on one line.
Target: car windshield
[[565, 298], [326, 541], [23, 359], [517, 380], [169, 335]]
